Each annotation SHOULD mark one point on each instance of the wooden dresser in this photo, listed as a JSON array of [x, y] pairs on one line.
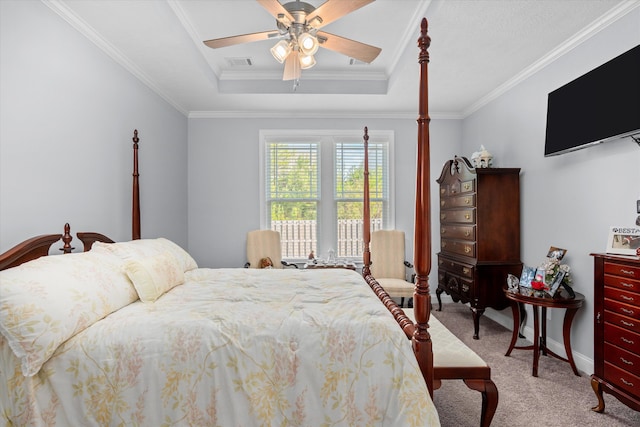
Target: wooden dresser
[[616, 329], [479, 235]]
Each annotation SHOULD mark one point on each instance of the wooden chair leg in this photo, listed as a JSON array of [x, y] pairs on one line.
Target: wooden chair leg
[[489, 399]]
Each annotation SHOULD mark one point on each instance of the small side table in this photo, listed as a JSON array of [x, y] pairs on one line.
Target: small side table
[[347, 265], [540, 341]]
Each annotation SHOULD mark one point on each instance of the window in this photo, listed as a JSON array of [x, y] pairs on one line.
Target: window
[[313, 189]]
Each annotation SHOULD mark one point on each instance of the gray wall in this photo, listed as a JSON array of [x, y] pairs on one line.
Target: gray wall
[[224, 199], [571, 200], [67, 115]]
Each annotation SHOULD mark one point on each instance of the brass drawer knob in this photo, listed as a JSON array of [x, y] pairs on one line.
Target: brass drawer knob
[[442, 191], [444, 244], [467, 216], [443, 216], [465, 270], [467, 186], [467, 249], [443, 231], [467, 201], [467, 233], [442, 202]]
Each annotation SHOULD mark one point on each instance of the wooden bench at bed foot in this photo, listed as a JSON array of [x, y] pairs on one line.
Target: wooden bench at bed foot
[[454, 360]]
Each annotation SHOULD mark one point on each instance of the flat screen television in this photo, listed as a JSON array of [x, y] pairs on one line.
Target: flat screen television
[[602, 105]]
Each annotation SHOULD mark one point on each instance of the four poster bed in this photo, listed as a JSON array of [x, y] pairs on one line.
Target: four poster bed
[[99, 337]]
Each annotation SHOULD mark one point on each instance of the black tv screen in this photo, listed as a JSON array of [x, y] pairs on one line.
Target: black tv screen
[[601, 105]]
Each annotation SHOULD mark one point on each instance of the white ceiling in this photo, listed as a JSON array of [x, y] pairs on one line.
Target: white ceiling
[[479, 49]]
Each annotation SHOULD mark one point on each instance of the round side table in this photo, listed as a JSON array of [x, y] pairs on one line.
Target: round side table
[[540, 325]]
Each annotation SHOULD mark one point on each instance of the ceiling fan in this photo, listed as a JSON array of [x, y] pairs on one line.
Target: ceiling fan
[[298, 28]]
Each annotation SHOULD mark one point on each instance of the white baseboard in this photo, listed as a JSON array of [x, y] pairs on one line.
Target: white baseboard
[[504, 318]]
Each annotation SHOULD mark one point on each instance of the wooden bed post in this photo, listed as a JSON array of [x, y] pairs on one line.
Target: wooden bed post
[[66, 239], [366, 211], [422, 234], [135, 223]]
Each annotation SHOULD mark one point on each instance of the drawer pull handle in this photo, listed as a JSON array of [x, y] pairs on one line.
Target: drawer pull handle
[[467, 200], [444, 244], [443, 231], [467, 186], [467, 216], [465, 288], [627, 340], [442, 190], [627, 285], [628, 272], [467, 233], [467, 249], [626, 298], [465, 270], [626, 362], [443, 216], [442, 202], [627, 383], [626, 310], [628, 324]]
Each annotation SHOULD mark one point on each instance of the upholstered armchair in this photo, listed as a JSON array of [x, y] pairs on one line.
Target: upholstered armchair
[[265, 244], [388, 265]]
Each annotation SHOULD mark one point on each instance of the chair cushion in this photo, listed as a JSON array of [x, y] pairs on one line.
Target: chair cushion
[[397, 287]]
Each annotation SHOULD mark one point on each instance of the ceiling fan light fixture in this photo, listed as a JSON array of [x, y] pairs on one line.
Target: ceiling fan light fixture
[[307, 61], [281, 50], [308, 44]]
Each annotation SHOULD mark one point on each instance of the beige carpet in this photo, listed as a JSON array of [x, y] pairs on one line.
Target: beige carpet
[[555, 398]]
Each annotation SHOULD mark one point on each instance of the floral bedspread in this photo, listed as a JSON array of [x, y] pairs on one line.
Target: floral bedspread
[[231, 347]]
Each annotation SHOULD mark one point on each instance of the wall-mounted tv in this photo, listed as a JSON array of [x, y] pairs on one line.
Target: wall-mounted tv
[[602, 105]]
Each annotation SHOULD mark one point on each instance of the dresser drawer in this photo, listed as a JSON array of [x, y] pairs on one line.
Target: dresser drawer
[[626, 297], [622, 338], [465, 216], [463, 232], [467, 201], [622, 321], [622, 358], [458, 247], [622, 379], [458, 268], [632, 272], [622, 282], [621, 308]]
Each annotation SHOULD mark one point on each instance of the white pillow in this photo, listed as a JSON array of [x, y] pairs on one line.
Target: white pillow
[[143, 248], [155, 275], [46, 301]]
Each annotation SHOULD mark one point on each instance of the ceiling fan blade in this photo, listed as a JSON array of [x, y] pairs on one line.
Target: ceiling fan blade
[[275, 8], [291, 67], [244, 38], [360, 51], [331, 10]]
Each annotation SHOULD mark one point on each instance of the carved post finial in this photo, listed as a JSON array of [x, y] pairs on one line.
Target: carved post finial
[[66, 239]]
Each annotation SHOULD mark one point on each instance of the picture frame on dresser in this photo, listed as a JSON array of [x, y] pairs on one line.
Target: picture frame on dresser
[[623, 240]]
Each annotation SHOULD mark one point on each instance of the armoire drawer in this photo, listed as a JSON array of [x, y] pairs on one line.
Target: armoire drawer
[[622, 338], [622, 282], [622, 321], [458, 247], [622, 358], [626, 297], [628, 271], [455, 267], [622, 379], [462, 232], [621, 308]]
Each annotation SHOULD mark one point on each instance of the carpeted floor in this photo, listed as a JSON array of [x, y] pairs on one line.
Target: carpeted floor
[[556, 397]]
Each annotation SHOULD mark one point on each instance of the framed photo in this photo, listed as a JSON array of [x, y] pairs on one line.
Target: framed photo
[[556, 253], [528, 274], [557, 281], [623, 240]]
